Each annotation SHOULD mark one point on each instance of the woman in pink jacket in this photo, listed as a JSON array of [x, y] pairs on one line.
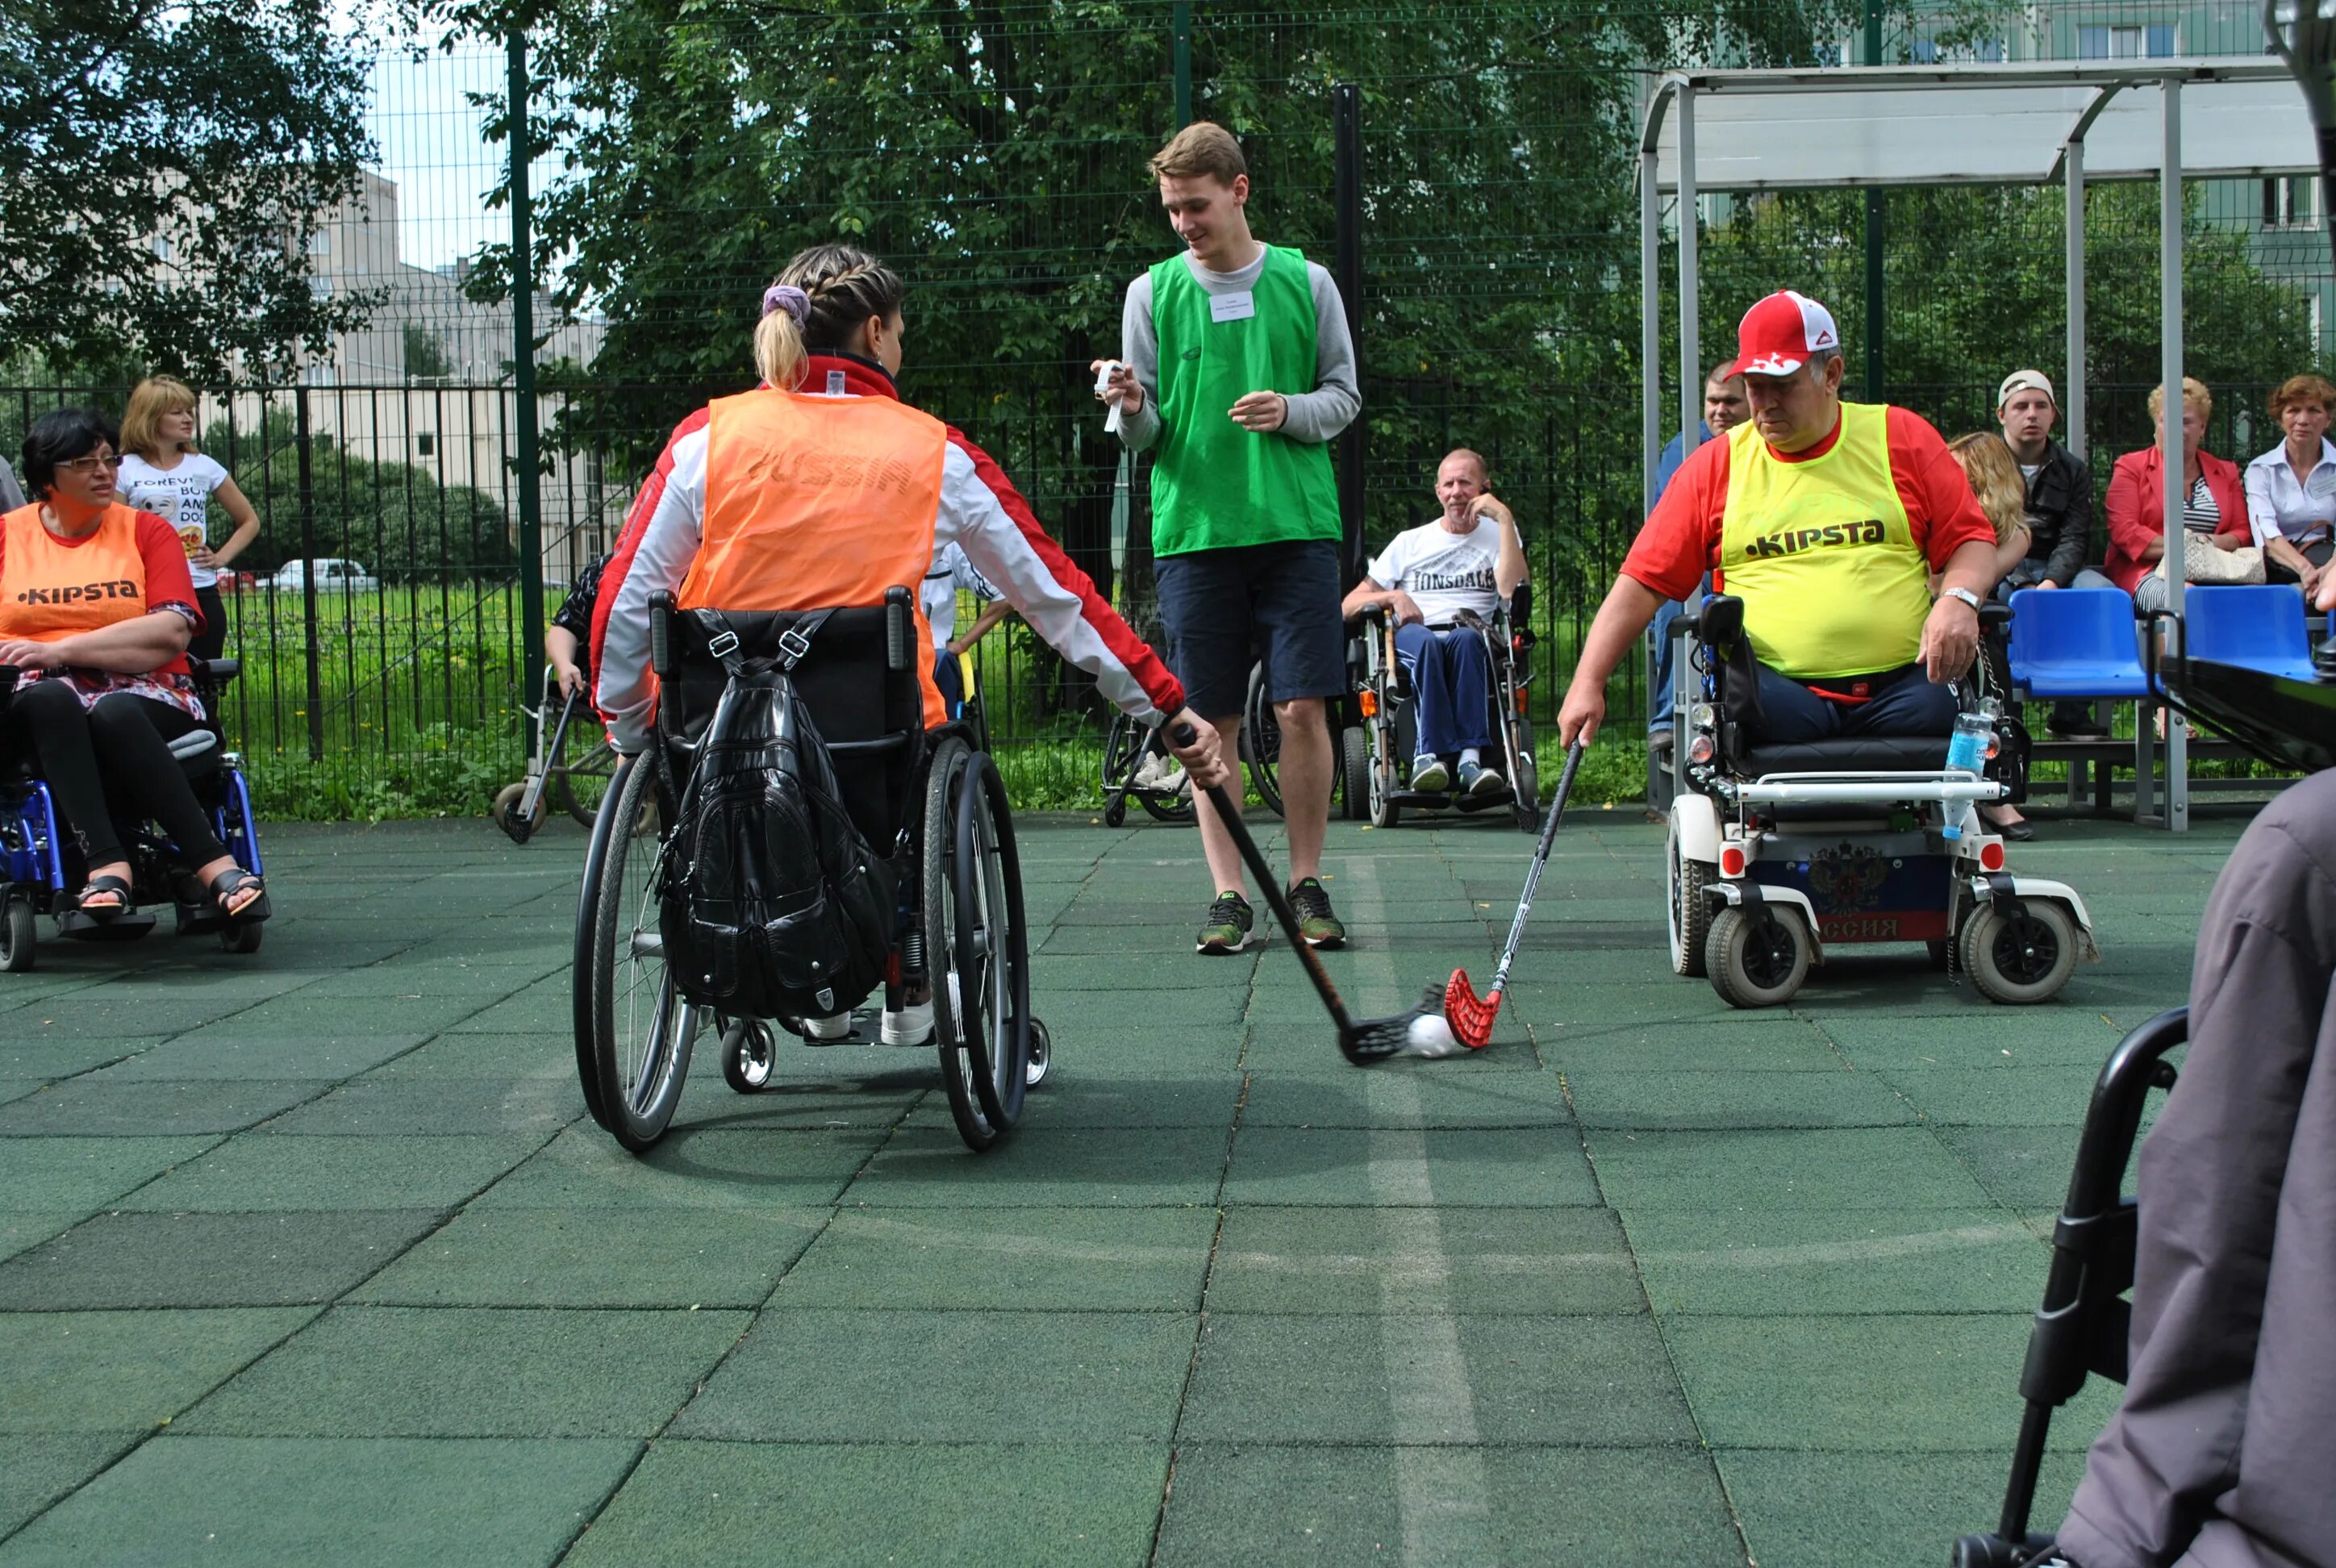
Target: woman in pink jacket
[[2215, 500]]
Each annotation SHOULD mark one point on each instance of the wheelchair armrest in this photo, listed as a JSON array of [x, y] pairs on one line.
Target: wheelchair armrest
[[1721, 619], [1520, 606], [1369, 614], [221, 671], [1994, 612]]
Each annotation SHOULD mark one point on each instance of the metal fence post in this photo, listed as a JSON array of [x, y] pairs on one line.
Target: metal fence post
[[531, 508], [1181, 27], [1346, 100], [1876, 238], [308, 575]]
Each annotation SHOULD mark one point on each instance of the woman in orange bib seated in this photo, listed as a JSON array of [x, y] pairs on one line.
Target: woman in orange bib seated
[[96, 611]]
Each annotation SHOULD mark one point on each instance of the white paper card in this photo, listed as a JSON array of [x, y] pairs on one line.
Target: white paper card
[[1239, 306]]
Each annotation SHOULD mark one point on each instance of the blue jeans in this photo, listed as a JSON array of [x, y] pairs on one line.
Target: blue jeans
[[1451, 686], [1901, 701], [1658, 698]]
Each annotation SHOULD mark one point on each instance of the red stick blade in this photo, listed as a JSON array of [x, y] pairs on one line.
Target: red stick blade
[[1471, 1016]]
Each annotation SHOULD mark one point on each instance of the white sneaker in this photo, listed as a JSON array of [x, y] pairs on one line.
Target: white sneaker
[[1159, 773], [910, 1025], [826, 1031]]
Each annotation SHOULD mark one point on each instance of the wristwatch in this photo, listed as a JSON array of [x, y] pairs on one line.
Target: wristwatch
[[1966, 595]]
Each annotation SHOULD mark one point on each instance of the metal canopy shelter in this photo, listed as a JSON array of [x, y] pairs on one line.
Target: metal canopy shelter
[[2028, 124]]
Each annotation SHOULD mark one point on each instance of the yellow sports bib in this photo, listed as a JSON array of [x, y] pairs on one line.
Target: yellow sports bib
[[1823, 555]]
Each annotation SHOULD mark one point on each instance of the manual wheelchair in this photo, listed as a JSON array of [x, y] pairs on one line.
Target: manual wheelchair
[[931, 798], [40, 864], [1375, 755], [1776, 852]]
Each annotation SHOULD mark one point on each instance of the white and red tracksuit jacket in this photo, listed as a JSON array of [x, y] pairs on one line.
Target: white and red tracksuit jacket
[[980, 512]]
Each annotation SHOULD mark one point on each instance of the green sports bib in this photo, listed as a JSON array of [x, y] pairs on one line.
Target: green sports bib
[[1214, 485]]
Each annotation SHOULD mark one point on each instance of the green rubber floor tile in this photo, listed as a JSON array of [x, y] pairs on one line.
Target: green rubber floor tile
[[1405, 1094], [1821, 1168], [12, 1089], [811, 1090], [1582, 1381], [345, 1501], [1047, 1166], [690, 1168], [2024, 1036], [132, 1260], [80, 1174], [55, 1059], [1800, 1260], [1911, 1383], [306, 1015], [1169, 969], [533, 1054], [1878, 1508], [2021, 1167], [1521, 1167], [1074, 1097], [1774, 1043], [394, 981], [549, 1010], [1076, 1507], [92, 1016], [1689, 1099], [1997, 1096], [473, 1373], [20, 1231], [266, 1171], [1097, 1378], [1133, 1051], [228, 1054], [98, 1107], [125, 1371], [1217, 999], [1044, 1260], [425, 1107], [1307, 1042], [600, 1258], [1418, 1260], [1598, 1508], [35, 1472]]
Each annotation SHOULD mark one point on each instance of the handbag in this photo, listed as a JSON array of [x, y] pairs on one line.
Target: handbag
[[2203, 562]]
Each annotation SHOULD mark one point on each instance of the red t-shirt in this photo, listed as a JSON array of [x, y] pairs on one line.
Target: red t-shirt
[[1681, 540]]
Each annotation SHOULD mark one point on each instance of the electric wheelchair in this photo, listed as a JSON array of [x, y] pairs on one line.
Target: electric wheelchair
[[928, 797], [2084, 1322], [1778, 852], [41, 864], [1375, 755]]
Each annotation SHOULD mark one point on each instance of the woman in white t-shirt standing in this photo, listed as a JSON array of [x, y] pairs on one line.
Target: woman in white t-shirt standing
[[164, 473]]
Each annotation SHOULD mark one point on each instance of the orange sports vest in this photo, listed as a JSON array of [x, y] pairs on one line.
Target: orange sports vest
[[813, 502], [51, 590]]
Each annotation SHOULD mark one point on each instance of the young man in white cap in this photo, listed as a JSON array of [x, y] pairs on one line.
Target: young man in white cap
[[1827, 518], [2059, 512]]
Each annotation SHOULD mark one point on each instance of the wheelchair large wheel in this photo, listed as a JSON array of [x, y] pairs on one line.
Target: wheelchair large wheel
[[635, 1051], [18, 936], [1757, 958], [1689, 914], [1355, 772], [1124, 750], [2019, 959], [584, 779], [1263, 731], [977, 945], [1384, 811], [1527, 808]]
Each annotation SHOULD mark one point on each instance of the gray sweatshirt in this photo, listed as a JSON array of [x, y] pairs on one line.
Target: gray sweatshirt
[[11, 497], [1314, 416]]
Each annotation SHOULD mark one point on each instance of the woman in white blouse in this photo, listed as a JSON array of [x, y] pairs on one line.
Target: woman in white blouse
[[2292, 488]]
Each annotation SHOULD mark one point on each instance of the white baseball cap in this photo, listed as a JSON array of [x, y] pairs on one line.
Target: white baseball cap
[[2025, 381]]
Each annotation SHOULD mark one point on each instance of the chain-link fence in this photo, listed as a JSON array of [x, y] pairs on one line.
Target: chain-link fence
[[995, 154]]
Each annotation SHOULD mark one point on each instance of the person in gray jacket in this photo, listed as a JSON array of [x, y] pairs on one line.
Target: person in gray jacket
[[12, 494]]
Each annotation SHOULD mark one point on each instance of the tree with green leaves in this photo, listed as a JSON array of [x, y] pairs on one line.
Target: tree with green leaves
[[168, 161]]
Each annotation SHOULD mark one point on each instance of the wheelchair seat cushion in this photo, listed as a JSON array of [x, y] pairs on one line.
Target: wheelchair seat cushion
[[1848, 754]]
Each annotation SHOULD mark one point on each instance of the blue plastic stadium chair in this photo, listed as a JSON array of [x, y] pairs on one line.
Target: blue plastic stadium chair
[[2255, 627], [2076, 642]]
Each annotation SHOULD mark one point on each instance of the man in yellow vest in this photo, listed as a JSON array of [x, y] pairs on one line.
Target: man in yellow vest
[[1827, 519]]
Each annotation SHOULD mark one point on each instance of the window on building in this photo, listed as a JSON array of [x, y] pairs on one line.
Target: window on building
[[425, 444], [320, 243], [320, 285], [2150, 41], [2291, 201], [162, 248], [1978, 50]]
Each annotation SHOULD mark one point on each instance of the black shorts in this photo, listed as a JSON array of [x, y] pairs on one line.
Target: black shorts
[[1224, 610]]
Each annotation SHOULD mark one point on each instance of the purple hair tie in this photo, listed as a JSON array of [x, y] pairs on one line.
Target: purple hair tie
[[786, 296]]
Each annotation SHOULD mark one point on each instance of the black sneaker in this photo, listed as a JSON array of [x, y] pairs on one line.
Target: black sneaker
[[1227, 929], [1311, 904], [2076, 724]]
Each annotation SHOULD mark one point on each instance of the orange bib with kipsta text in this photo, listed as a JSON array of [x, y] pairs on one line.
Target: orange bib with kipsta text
[[818, 502], [50, 588]]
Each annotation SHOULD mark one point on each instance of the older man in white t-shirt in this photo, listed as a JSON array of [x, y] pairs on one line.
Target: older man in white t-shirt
[[1468, 560]]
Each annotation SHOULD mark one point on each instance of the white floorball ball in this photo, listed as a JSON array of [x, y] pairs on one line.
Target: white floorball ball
[[1430, 1036]]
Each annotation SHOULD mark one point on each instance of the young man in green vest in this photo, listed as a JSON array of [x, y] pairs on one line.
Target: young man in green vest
[[1237, 371]]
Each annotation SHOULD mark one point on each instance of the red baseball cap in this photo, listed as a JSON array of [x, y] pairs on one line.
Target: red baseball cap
[[1776, 336]]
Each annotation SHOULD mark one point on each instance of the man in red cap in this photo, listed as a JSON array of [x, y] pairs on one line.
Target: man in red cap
[[1827, 519]]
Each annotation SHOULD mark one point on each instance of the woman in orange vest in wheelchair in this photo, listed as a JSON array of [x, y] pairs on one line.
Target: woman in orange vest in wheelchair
[[96, 611], [820, 489]]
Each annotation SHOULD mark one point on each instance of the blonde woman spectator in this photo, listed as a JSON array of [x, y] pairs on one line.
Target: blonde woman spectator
[[2292, 488], [164, 472], [1995, 478], [2214, 502]]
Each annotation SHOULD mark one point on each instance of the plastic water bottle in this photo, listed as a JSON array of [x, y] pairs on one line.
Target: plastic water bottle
[[1975, 738]]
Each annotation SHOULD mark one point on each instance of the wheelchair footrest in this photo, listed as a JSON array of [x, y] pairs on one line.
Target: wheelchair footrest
[[198, 919], [87, 928]]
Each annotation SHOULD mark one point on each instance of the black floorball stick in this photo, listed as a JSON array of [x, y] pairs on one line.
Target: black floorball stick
[[1470, 1016], [1361, 1040]]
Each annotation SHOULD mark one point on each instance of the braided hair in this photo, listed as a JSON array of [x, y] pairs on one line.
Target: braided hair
[[843, 285]]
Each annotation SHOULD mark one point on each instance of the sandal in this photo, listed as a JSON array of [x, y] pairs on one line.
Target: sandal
[[233, 881], [100, 886]]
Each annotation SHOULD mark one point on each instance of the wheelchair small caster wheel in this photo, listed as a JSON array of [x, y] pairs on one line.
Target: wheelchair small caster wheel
[[506, 813], [241, 936], [1042, 1055], [748, 1057], [1116, 815], [1756, 958], [2020, 955], [17, 936]]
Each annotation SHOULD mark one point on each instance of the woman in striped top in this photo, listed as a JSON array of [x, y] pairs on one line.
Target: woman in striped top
[[2215, 500]]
